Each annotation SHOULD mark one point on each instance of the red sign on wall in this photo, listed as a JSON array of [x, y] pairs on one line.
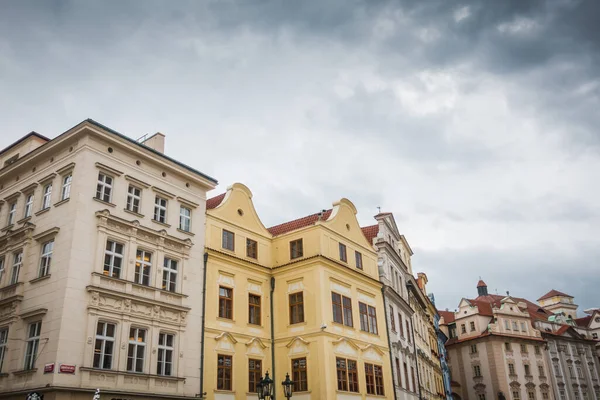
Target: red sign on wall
[[66, 369], [49, 368]]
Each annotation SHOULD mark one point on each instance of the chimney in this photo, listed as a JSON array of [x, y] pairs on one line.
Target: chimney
[[156, 142], [422, 281], [482, 288]]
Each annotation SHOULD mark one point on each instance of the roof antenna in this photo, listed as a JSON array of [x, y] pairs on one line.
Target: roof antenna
[[379, 210]]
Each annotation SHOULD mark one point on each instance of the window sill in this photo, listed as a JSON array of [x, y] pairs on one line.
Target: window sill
[[186, 232], [25, 371], [225, 391], [104, 202], [63, 201], [161, 223], [347, 392], [22, 221], [43, 210], [297, 324], [128, 373], [7, 228], [369, 333], [133, 213], [232, 321], [257, 326], [41, 278]]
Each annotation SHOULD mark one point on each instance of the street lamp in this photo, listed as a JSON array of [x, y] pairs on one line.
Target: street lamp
[[265, 388], [287, 386]]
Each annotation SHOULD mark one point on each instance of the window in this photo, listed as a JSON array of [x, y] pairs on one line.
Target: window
[[576, 393], [536, 350], [104, 347], [254, 374], [463, 328], [185, 218], [579, 372], [104, 187], [476, 371], [1, 274], [571, 373], [531, 395], [594, 335], [28, 206], [401, 324], [472, 325], [296, 250], [224, 367], [253, 309], [556, 370], [523, 328], [516, 395], [227, 240], [16, 267], [514, 326], [164, 365], [296, 308], [47, 196], [414, 383], [251, 248], [46, 258], [368, 318], [3, 342], [398, 372], [527, 370], [358, 258], [225, 302], [374, 379], [541, 371], [507, 346], [523, 348], [545, 396], [473, 349], [481, 396], [143, 264], [336, 302], [407, 384], [33, 342], [169, 281], [511, 369], [347, 303], [113, 259], [392, 320], [299, 375], [408, 332], [134, 197], [347, 375], [137, 350], [160, 209], [65, 191], [506, 325], [372, 320], [12, 212], [343, 255], [563, 395]]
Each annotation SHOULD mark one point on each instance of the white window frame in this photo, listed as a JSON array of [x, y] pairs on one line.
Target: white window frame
[[133, 197], [16, 267], [143, 268], [168, 283], [185, 219], [136, 341], [2, 269], [103, 338], [160, 209], [34, 331], [28, 205], [113, 255], [65, 191], [12, 213], [47, 196], [46, 258], [104, 187], [163, 350], [3, 345]]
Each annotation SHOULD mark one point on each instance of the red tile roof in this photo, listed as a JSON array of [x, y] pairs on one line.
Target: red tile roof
[[553, 293], [213, 202], [481, 283], [448, 316], [485, 308], [534, 310], [370, 232], [583, 322], [299, 223]]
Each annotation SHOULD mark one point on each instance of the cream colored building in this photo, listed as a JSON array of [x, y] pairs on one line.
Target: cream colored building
[[101, 244], [319, 274]]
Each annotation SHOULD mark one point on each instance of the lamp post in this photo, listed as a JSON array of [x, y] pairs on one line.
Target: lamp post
[[265, 388], [287, 386]]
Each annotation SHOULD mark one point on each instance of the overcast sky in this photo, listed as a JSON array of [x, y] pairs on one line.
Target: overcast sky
[[475, 123]]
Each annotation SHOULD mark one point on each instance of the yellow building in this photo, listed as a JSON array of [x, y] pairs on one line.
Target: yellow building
[[319, 276]]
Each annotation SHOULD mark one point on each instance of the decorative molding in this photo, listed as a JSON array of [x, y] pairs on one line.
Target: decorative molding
[[163, 192], [29, 188], [136, 181], [303, 341], [67, 168], [108, 169], [47, 179], [12, 196], [46, 234], [257, 341], [227, 335], [38, 312], [188, 202]]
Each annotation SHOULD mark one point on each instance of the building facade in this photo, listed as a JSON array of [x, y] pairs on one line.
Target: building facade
[[442, 354], [100, 278], [304, 293], [394, 272]]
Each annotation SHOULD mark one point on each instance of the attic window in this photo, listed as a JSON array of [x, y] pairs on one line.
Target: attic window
[[11, 160]]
